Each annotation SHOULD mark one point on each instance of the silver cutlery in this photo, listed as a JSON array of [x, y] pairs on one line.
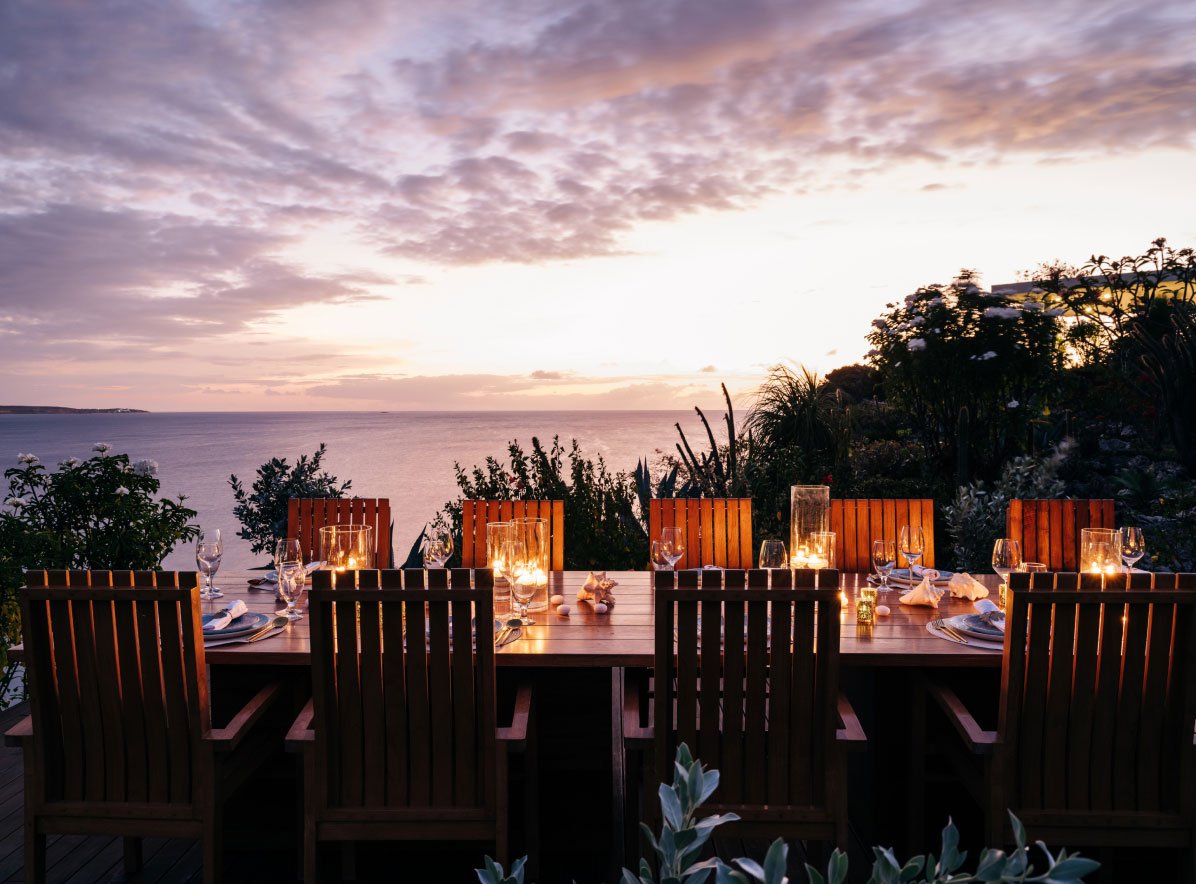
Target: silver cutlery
[[275, 626], [948, 632]]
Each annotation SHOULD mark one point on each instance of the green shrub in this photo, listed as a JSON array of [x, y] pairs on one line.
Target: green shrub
[[99, 513], [263, 513]]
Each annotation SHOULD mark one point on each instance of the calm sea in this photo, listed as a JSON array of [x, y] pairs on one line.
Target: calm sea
[[406, 456]]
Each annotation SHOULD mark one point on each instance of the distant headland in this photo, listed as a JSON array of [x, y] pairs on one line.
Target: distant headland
[[58, 409]]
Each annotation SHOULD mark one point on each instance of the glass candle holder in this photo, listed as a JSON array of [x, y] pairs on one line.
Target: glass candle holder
[[1100, 551], [534, 534], [865, 610], [347, 547], [809, 513]]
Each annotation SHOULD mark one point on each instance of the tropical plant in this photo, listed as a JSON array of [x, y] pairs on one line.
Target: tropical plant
[[102, 512], [950, 348], [1170, 362], [263, 511], [715, 473], [801, 412], [602, 529]]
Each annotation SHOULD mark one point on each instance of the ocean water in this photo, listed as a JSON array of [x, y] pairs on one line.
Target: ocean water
[[405, 456]]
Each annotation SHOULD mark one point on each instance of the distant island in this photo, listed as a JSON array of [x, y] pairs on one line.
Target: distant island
[[58, 409]]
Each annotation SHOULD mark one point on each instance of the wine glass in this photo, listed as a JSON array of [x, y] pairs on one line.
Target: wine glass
[[672, 546], [438, 547], [1007, 556], [523, 590], [292, 579], [1133, 546], [912, 545], [884, 560], [773, 554], [209, 547]]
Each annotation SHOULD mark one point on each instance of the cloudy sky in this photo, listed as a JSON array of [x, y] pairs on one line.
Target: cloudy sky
[[548, 203]]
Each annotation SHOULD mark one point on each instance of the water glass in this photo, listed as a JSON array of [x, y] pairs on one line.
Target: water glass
[[1007, 556], [292, 580], [209, 549], [671, 547], [437, 548], [1133, 546], [520, 576], [884, 560], [773, 554]]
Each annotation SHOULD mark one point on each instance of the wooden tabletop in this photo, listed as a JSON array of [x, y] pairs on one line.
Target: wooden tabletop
[[624, 635]]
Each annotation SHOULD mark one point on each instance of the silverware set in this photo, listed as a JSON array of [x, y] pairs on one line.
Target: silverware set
[[509, 632], [277, 623], [948, 631]]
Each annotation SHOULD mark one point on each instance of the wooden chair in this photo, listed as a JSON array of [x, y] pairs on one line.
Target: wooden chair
[[307, 515], [748, 677], [1049, 530], [119, 740], [858, 522], [1094, 743], [718, 530], [475, 514], [399, 739]]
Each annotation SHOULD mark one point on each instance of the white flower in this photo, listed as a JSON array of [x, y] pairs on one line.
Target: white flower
[[1013, 403], [934, 302], [916, 344], [15, 502], [70, 462], [1002, 312], [918, 320], [30, 459], [991, 354], [1033, 306], [910, 300], [146, 468], [122, 490], [1057, 311], [872, 354], [880, 324], [101, 447]]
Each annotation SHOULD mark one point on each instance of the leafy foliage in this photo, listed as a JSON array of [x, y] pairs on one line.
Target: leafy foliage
[[97, 513], [950, 348], [263, 511], [602, 529]]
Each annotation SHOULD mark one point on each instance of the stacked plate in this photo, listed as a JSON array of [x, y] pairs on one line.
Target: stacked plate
[[247, 623]]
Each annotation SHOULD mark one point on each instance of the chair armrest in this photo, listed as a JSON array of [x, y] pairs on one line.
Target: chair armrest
[[633, 731], [852, 731], [228, 738], [516, 733], [979, 740], [19, 732], [301, 730]]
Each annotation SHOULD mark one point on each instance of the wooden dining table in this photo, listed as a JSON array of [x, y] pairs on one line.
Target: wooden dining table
[[624, 635]]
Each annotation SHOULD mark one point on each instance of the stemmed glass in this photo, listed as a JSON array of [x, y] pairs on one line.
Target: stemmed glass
[[1007, 556], [292, 576], [209, 547], [1133, 546], [773, 554], [669, 549], [523, 590], [912, 544], [884, 560], [438, 547]]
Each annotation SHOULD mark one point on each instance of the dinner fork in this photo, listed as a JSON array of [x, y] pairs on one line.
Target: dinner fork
[[948, 631]]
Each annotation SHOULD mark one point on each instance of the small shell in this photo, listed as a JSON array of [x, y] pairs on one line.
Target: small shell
[[882, 610], [557, 600], [563, 610], [600, 608]]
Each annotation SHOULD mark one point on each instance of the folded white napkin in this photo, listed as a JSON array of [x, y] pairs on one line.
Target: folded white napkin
[[223, 618], [965, 586], [925, 593], [992, 615]]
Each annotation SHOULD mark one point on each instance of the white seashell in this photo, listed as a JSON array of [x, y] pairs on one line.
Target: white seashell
[[600, 608], [563, 610], [882, 610], [557, 600]]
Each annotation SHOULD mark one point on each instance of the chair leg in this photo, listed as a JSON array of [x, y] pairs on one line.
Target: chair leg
[[35, 852], [133, 855], [348, 861], [212, 846], [311, 857]]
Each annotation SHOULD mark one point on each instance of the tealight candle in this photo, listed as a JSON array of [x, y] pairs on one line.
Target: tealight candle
[[865, 610]]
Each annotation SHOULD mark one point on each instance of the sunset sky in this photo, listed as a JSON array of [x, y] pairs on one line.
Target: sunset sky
[[531, 204]]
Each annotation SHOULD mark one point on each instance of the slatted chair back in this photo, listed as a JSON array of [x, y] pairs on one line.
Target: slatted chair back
[[1049, 530], [476, 514], [857, 522], [717, 530], [748, 677], [117, 690], [404, 699], [1098, 706], [307, 515]]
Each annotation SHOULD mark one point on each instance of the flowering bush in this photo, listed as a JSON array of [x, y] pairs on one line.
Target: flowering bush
[[947, 348], [96, 513]]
